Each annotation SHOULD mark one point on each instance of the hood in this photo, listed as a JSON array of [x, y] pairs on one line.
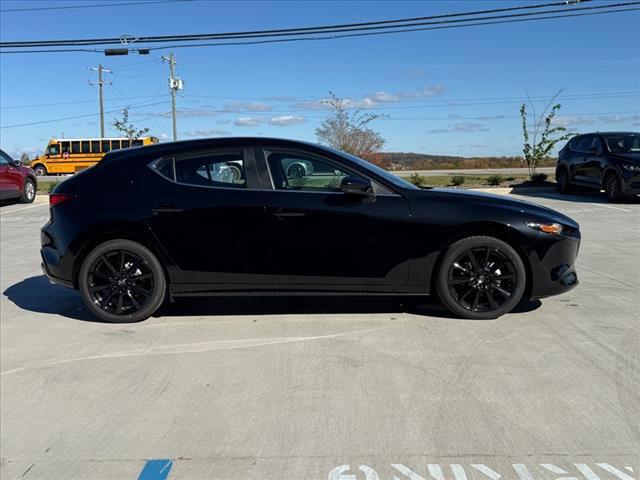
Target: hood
[[506, 202]]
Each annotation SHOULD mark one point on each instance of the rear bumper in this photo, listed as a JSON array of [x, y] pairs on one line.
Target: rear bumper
[[552, 263], [54, 279]]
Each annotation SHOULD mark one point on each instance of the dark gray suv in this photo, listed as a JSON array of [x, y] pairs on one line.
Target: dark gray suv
[[601, 160]]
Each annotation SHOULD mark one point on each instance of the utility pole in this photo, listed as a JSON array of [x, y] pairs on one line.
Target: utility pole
[[175, 84], [100, 69]]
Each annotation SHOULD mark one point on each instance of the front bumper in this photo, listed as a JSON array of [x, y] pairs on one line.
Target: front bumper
[[552, 263], [631, 185]]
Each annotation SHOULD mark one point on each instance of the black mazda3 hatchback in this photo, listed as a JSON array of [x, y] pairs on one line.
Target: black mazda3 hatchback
[[258, 216]]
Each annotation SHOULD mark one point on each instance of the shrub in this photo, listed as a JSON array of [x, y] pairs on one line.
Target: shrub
[[539, 177], [417, 180], [495, 180], [457, 180]]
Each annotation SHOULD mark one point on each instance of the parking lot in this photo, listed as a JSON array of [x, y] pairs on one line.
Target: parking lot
[[304, 388]]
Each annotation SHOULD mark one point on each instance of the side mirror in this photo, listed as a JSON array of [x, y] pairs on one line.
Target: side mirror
[[17, 163], [356, 186]]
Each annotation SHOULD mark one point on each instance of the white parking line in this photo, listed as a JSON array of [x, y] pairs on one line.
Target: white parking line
[[610, 206], [24, 208]]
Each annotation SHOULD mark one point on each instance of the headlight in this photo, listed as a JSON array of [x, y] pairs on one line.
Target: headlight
[[552, 228], [631, 167]]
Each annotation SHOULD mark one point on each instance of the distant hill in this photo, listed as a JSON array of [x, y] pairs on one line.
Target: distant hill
[[422, 161]]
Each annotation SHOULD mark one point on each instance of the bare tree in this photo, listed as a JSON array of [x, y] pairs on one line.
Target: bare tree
[[540, 141], [128, 129], [349, 131]]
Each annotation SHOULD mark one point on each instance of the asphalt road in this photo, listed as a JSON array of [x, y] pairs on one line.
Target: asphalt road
[[406, 173], [325, 389]]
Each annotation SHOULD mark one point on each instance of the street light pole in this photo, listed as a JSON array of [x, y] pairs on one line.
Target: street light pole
[[175, 84]]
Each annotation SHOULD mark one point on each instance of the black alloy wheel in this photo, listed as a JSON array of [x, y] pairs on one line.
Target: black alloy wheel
[[481, 277], [122, 281]]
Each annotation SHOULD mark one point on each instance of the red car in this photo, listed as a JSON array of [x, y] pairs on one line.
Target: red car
[[16, 181]]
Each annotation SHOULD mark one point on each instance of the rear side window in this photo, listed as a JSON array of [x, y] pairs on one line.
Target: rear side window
[[215, 169], [165, 167], [126, 143]]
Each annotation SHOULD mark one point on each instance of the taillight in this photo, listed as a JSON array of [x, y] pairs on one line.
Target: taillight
[[59, 198]]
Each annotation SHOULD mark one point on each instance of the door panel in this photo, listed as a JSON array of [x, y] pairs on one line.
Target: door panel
[[330, 239], [213, 233], [580, 159]]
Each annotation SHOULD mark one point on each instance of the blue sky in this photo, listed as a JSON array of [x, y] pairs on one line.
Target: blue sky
[[445, 92]]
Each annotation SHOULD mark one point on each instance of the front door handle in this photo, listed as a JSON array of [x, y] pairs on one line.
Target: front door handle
[[166, 208], [282, 213]]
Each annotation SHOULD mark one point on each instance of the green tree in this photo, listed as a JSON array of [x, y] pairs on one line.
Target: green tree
[[544, 137], [128, 129]]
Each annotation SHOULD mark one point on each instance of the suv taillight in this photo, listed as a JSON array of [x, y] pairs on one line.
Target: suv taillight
[[59, 198]]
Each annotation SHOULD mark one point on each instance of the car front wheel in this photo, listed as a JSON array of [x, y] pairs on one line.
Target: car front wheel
[[122, 281], [28, 191], [481, 278], [562, 181]]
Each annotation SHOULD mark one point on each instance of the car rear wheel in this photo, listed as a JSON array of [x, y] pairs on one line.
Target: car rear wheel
[[613, 188], [562, 181], [28, 191], [481, 278], [296, 171], [40, 170], [122, 281]]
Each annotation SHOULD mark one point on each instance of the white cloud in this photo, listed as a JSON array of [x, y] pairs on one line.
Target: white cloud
[[461, 127], [247, 122], [383, 96], [620, 119], [249, 107], [204, 132], [286, 120], [571, 121]]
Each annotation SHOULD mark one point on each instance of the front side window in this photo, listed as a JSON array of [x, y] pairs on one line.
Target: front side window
[[623, 143], [217, 169], [54, 149], [299, 171]]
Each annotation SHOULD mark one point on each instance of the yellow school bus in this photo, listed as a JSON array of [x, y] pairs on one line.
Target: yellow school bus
[[70, 155]]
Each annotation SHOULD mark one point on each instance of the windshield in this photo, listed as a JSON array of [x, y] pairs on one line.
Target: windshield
[[390, 177], [623, 142]]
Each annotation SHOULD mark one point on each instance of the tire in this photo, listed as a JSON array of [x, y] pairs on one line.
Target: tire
[[121, 281], [612, 188], [296, 170], [236, 171], [562, 181], [28, 191], [483, 287], [40, 170]]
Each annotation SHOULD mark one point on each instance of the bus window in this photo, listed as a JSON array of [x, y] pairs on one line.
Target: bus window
[[53, 149], [136, 143], [115, 144], [126, 143], [105, 146], [75, 147], [86, 146], [95, 146], [66, 148]]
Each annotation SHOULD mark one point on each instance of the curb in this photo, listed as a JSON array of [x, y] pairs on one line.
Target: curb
[[514, 190]]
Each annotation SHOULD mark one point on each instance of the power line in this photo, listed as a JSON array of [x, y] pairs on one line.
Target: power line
[[37, 105], [75, 116], [383, 24], [99, 5], [362, 34]]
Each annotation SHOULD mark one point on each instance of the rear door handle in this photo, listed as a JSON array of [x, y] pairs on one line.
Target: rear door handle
[[166, 208]]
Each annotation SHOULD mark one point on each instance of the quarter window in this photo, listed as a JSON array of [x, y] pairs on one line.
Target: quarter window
[[298, 171]]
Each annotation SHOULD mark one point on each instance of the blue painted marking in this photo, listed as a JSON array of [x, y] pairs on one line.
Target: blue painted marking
[[156, 470]]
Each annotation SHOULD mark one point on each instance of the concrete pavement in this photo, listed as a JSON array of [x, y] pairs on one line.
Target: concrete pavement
[[331, 389]]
